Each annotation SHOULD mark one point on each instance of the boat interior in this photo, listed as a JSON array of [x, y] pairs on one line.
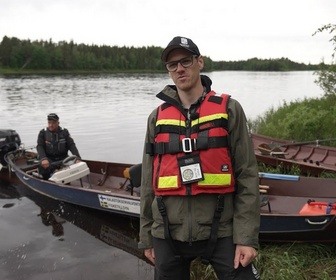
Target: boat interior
[[299, 195], [106, 177], [311, 156]]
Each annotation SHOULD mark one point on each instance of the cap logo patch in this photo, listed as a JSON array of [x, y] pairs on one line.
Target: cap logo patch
[[184, 42]]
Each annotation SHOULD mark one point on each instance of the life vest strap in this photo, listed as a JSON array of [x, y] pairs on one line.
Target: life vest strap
[[170, 129], [214, 231], [174, 147], [167, 234]]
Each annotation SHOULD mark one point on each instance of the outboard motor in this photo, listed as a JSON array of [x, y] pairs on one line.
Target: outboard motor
[[9, 141]]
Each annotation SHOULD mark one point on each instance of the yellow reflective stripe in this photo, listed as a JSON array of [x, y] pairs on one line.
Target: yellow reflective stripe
[[170, 182], [171, 122], [194, 122], [167, 182], [209, 118], [215, 179]]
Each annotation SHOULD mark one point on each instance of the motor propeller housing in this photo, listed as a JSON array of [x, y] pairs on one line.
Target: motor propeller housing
[[9, 141]]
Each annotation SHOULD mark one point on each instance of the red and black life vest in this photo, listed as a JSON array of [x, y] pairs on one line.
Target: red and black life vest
[[207, 135]]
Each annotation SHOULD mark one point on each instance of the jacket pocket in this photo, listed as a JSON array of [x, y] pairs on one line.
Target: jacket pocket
[[175, 208]]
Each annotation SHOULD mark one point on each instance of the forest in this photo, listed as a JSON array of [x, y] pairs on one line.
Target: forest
[[16, 54]]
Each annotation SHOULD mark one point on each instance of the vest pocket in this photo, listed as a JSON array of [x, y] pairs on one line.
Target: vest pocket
[[62, 146]]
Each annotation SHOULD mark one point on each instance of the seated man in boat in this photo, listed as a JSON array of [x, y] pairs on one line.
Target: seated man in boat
[[53, 145]]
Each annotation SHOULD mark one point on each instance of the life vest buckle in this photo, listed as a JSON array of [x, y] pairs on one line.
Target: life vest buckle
[[187, 145]]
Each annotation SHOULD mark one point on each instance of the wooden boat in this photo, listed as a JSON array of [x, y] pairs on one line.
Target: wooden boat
[[311, 157], [108, 188]]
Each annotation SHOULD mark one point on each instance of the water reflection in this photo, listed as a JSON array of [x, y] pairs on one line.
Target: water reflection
[[7, 191], [50, 219], [8, 194], [118, 231], [56, 240]]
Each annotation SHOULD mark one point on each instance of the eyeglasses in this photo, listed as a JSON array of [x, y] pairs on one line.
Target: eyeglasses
[[185, 62]]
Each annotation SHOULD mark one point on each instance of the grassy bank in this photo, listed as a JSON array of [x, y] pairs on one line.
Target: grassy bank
[[289, 261], [300, 120]]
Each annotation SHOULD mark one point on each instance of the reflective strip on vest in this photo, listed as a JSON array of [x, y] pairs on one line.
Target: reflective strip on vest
[[194, 122], [168, 182], [210, 180], [209, 118], [215, 179], [171, 122]]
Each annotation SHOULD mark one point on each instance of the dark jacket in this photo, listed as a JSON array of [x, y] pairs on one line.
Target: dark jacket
[[55, 146], [190, 218]]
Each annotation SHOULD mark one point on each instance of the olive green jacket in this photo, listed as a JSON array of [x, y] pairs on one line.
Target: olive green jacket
[[190, 218]]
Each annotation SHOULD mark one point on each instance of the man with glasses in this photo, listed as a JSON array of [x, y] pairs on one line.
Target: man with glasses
[[200, 194]]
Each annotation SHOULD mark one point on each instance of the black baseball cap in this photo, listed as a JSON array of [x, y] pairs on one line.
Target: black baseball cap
[[180, 43], [53, 117]]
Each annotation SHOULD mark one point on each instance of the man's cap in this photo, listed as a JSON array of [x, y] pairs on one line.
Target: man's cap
[[53, 117], [180, 43]]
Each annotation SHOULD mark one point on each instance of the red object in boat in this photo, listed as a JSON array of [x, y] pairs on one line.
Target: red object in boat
[[318, 208]]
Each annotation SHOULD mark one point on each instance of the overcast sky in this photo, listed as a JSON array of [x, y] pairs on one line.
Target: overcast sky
[[222, 29]]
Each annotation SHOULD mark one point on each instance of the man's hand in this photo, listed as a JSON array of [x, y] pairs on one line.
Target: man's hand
[[45, 163], [149, 254], [244, 255]]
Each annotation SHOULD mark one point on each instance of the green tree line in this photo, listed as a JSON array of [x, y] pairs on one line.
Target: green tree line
[[67, 56], [255, 64]]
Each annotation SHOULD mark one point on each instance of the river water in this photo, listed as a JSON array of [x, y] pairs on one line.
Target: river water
[[106, 115]]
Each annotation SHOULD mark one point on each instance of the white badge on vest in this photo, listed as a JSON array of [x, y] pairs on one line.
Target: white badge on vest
[[190, 168]]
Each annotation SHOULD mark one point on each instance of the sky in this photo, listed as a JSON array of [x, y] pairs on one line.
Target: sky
[[223, 30]]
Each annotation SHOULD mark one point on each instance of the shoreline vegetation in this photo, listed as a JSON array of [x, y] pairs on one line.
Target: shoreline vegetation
[[25, 57]]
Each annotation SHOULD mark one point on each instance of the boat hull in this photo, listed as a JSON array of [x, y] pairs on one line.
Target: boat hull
[[311, 159], [277, 228]]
